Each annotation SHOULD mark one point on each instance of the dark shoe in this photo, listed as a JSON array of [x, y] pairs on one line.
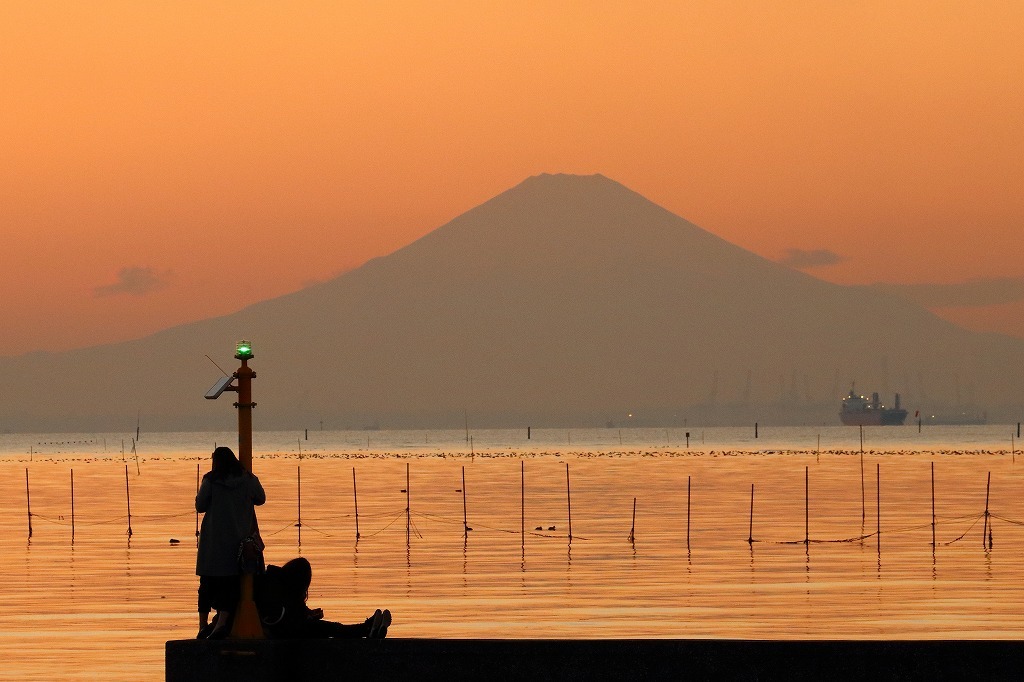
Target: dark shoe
[[218, 633], [205, 631], [374, 622], [382, 628]]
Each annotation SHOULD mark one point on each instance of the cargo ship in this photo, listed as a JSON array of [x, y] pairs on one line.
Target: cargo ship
[[859, 411]]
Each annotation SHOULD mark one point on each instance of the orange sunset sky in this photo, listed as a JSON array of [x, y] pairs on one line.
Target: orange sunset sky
[[164, 162]]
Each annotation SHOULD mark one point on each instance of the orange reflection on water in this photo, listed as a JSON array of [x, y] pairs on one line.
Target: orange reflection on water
[[105, 605]]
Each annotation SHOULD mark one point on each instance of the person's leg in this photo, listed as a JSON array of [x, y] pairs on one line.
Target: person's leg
[[324, 629], [226, 595], [327, 629], [205, 603]]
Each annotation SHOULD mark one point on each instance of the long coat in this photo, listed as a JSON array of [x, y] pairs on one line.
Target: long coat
[[229, 514]]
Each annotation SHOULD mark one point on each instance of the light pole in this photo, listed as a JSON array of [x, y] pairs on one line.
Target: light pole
[[246, 623], [245, 375]]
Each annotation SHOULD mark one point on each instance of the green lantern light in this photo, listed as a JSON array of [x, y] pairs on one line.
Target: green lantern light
[[243, 350]]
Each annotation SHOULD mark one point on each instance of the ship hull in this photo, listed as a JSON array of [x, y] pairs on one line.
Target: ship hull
[[883, 417]]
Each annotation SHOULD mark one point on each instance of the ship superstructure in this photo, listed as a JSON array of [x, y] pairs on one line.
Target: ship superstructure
[[859, 411]]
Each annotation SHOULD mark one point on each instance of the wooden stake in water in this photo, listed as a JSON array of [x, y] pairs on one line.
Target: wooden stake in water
[[298, 498], [986, 531], [861, 439], [632, 528], [687, 513], [28, 504], [72, 506], [522, 503], [197, 494], [863, 503], [128, 499], [355, 500], [465, 516], [755, 429], [750, 534], [807, 506], [408, 508], [878, 504], [568, 499], [933, 507]]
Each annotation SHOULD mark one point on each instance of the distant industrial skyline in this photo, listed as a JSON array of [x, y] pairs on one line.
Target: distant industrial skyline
[[165, 163]]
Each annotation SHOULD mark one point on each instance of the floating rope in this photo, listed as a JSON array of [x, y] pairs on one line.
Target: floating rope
[[889, 531]]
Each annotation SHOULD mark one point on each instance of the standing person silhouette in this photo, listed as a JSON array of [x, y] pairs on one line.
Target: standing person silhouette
[[227, 497]]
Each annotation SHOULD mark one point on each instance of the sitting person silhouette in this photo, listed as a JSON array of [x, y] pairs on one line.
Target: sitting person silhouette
[[280, 596]]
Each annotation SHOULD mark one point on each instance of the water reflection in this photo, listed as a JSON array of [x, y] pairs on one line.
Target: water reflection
[[131, 594]]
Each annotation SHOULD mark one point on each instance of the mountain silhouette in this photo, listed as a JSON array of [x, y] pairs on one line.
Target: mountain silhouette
[[566, 300]]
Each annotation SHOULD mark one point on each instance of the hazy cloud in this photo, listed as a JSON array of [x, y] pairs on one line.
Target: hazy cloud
[[134, 282], [801, 259], [973, 293]]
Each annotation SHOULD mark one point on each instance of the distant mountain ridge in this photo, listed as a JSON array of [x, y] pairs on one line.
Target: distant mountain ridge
[[566, 300]]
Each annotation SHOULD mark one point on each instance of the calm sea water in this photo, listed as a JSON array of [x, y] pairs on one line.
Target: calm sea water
[[102, 604]]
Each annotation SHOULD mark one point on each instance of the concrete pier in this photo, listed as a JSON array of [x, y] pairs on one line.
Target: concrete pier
[[545, 659]]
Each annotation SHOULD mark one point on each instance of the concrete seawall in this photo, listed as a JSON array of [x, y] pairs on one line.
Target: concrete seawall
[[542, 659]]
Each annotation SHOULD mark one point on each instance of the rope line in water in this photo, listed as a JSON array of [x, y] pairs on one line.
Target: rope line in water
[[975, 523], [436, 518], [58, 521], [395, 516], [888, 531], [458, 522], [1001, 518], [290, 524], [333, 517], [306, 526], [391, 523]]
